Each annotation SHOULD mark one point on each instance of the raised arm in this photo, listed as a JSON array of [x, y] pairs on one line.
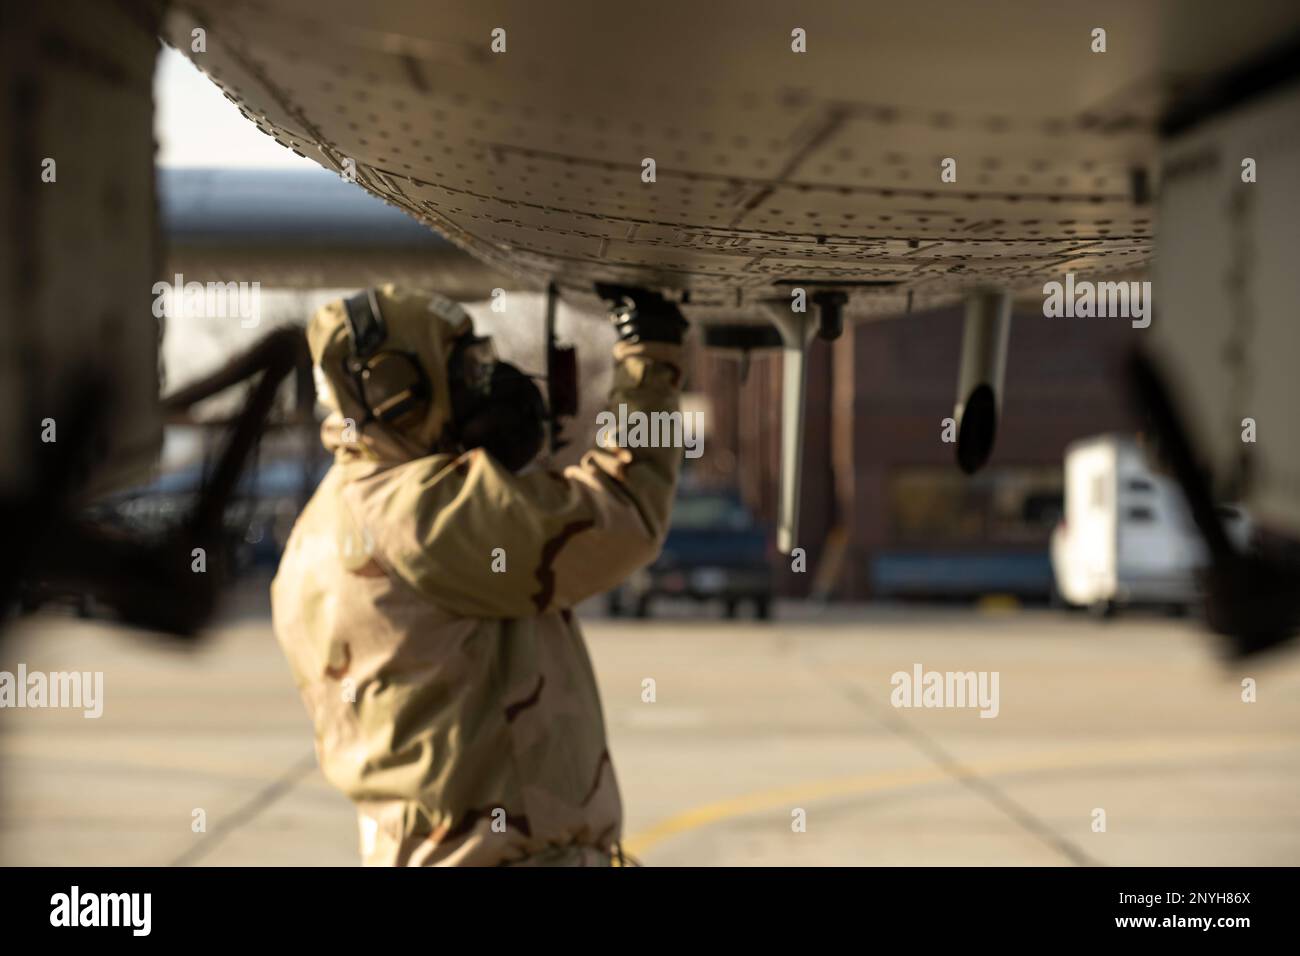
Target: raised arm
[[483, 542]]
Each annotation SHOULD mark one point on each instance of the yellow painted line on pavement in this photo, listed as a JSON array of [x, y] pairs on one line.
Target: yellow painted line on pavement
[[786, 798]]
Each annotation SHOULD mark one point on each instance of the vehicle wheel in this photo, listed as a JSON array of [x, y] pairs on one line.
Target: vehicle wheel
[[763, 608], [1055, 600], [643, 606], [732, 608], [1103, 610]]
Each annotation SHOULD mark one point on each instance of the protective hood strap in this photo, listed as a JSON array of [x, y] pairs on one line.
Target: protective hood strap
[[365, 323]]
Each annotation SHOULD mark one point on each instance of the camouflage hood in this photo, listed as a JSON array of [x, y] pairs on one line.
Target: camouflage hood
[[423, 324]]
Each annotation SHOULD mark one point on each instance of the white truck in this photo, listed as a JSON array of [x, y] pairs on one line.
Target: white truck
[[1127, 536]]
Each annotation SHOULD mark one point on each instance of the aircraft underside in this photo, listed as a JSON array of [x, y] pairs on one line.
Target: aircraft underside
[[776, 170]]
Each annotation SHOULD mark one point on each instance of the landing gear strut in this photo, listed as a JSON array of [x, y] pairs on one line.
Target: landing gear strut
[[796, 330], [979, 381]]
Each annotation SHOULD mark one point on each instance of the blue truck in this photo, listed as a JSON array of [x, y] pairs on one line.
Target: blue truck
[[716, 550]]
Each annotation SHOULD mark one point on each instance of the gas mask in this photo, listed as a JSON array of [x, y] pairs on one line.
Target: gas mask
[[495, 406]]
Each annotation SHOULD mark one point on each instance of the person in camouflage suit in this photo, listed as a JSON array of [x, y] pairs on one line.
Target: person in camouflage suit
[[424, 602]]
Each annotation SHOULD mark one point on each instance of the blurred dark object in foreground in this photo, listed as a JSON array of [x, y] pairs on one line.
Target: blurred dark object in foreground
[[1251, 598], [164, 577]]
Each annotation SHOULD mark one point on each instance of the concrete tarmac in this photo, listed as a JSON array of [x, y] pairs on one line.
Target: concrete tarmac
[[1117, 742]]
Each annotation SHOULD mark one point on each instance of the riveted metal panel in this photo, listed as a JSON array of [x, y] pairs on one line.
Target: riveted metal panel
[[769, 164]]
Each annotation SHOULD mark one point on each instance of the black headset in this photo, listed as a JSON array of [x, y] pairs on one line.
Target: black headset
[[495, 406], [392, 385]]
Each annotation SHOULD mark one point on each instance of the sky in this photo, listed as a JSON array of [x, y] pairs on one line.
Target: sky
[[195, 125]]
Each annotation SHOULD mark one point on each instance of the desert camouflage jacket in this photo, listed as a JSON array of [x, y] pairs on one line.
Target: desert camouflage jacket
[[424, 607]]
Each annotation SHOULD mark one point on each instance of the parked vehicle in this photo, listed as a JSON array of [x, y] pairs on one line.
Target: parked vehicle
[[257, 520], [1127, 536], [716, 550]]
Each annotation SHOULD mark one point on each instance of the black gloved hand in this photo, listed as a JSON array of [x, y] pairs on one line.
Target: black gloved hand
[[640, 315]]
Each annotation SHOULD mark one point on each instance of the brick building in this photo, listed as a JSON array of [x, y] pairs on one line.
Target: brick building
[[885, 509]]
